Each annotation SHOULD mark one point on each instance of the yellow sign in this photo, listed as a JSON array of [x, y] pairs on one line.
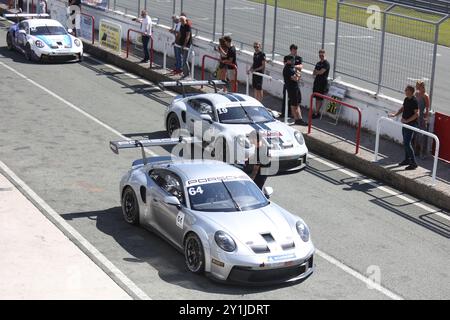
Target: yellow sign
[[110, 35]]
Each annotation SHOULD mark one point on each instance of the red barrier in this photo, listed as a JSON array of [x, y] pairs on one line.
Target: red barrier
[[358, 130], [442, 130], [151, 44], [93, 25], [234, 67]]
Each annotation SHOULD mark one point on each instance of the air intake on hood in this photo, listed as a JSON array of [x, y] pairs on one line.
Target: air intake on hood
[[260, 249], [268, 237], [59, 43], [287, 246]]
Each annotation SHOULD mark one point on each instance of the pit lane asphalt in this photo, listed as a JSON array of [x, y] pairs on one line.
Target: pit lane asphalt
[[65, 158]]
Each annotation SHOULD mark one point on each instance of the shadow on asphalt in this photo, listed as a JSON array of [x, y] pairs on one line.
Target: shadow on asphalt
[[403, 210], [147, 247]]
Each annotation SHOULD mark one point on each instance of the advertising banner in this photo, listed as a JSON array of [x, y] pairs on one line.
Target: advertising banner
[[99, 4], [110, 35]]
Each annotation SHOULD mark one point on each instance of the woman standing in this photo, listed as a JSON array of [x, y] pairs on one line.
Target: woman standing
[[423, 99]]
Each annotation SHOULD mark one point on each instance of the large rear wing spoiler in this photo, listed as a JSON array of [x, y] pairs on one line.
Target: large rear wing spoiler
[[26, 15], [144, 143], [191, 83]]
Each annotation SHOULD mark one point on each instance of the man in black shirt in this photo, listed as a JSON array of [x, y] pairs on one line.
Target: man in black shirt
[[76, 15], [230, 60], [291, 79], [185, 41], [410, 114], [321, 72], [259, 64], [297, 62]]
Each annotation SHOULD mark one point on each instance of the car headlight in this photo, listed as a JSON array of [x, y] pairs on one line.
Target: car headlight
[[224, 241], [302, 230], [39, 44], [77, 42], [243, 141], [299, 137]]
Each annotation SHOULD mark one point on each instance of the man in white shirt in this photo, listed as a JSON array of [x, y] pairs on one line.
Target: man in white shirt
[[146, 29]]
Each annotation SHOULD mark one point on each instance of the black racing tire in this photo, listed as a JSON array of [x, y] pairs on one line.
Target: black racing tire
[[130, 206], [9, 41], [28, 52], [173, 123], [80, 57], [194, 254]]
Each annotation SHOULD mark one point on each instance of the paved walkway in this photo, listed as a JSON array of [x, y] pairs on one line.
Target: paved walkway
[[38, 261]]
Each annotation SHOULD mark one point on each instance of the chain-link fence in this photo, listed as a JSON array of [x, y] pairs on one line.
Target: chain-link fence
[[377, 42]]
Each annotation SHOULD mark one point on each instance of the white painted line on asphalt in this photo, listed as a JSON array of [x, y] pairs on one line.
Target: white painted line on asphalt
[[369, 282], [107, 266], [322, 254], [382, 188], [71, 105], [130, 75]]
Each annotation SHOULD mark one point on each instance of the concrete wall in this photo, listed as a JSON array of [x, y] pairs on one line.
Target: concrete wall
[[372, 106]]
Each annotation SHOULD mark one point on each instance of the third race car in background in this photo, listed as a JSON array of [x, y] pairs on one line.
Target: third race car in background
[[39, 39]]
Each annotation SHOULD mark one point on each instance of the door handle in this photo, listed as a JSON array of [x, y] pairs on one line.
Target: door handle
[[192, 120], [155, 200]]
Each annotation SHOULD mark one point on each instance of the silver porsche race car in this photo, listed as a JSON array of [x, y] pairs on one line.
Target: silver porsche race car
[[216, 215], [225, 121]]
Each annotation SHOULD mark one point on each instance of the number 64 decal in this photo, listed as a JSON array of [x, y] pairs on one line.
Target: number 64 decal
[[193, 191]]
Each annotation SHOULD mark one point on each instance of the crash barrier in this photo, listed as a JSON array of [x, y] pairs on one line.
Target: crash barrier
[[93, 24], [234, 67], [442, 130], [265, 76], [191, 53], [397, 123], [311, 106], [151, 44]]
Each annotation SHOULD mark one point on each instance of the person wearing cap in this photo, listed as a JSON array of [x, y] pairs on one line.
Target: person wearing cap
[[291, 78]]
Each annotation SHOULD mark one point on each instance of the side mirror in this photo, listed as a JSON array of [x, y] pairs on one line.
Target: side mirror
[[69, 31], [172, 201], [274, 113], [268, 191], [206, 117]]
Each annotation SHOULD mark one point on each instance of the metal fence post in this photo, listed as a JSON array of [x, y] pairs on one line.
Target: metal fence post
[[181, 5], [223, 18], [433, 68], [324, 23], [174, 6], [383, 41], [214, 21], [275, 13], [139, 9], [264, 26], [145, 5], [338, 9]]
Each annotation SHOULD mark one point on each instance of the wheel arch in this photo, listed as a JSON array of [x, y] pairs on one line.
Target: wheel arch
[[202, 235]]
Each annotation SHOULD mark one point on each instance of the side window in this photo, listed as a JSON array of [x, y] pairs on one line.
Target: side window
[[169, 182], [202, 106]]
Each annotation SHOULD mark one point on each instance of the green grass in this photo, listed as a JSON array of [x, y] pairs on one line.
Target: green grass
[[396, 25]]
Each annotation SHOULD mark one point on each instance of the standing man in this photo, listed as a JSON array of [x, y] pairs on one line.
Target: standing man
[[297, 62], [146, 29], [410, 115], [259, 65], [291, 79], [177, 50], [229, 60], [320, 72], [253, 165], [185, 41], [75, 12]]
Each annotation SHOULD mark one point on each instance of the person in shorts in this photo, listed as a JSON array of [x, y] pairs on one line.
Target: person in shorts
[[259, 65], [321, 71], [291, 79]]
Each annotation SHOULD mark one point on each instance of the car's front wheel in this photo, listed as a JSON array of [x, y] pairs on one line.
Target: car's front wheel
[[130, 206], [173, 124], [194, 254], [80, 57], [9, 41]]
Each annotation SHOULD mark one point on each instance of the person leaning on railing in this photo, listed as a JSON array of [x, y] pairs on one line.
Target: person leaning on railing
[[423, 99], [410, 115]]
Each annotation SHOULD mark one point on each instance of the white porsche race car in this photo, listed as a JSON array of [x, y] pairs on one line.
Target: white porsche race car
[[39, 39], [225, 121]]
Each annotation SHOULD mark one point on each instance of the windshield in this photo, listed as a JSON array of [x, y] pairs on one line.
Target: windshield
[[47, 30], [246, 114], [228, 196]]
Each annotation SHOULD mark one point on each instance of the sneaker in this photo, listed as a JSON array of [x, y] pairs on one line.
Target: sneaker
[[315, 116], [412, 166], [301, 122], [143, 61], [404, 163]]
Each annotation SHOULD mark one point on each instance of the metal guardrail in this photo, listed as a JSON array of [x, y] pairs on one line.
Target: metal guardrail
[[358, 130], [151, 44], [399, 124]]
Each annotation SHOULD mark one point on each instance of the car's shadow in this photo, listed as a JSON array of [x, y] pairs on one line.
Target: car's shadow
[[147, 247], [18, 57]]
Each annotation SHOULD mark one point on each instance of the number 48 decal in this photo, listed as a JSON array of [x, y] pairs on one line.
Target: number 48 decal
[[193, 191]]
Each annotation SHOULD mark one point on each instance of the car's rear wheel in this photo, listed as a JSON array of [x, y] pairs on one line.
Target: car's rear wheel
[[130, 206], [194, 254], [9, 41], [173, 124]]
